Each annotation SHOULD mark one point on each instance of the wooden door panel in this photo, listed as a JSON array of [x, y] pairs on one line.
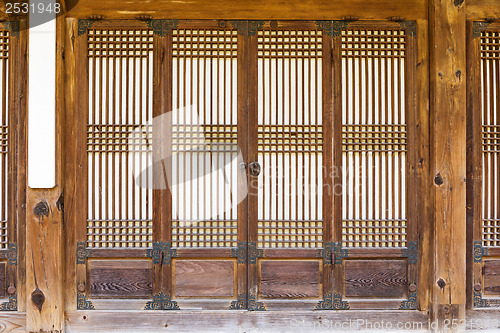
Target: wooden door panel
[[208, 212], [288, 139], [204, 278], [378, 215], [482, 159]]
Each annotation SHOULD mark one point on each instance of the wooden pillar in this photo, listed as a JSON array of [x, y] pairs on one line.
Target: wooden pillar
[[44, 231], [448, 161]]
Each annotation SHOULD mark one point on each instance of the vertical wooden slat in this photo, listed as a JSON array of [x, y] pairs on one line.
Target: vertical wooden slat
[[448, 132], [474, 161]]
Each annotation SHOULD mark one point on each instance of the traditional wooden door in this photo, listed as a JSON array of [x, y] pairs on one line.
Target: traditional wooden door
[[242, 165], [483, 44]]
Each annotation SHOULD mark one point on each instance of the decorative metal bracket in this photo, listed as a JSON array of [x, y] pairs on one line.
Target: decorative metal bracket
[[247, 28], [240, 304], [332, 301], [240, 252], [162, 28], [411, 303], [410, 27], [251, 300], [479, 302], [13, 27], [83, 25], [162, 250], [333, 252], [82, 303], [11, 305], [479, 251], [254, 253], [478, 28], [332, 28], [82, 253], [162, 301], [411, 252], [253, 305], [10, 254]]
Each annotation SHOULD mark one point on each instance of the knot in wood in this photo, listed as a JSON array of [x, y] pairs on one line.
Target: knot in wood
[[441, 283], [38, 298], [438, 180], [41, 209]]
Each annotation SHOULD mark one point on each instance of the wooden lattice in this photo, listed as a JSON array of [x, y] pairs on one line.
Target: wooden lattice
[[290, 138], [490, 88], [204, 138], [374, 138], [4, 136], [119, 137]]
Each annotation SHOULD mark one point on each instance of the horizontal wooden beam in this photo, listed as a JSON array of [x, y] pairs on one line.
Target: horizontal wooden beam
[[257, 9]]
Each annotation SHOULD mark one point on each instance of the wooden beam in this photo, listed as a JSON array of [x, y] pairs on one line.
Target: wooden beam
[[448, 160], [251, 10], [44, 230]]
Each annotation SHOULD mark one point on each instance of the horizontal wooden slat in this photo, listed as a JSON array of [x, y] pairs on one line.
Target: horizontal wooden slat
[[375, 278], [290, 279], [204, 278], [120, 278]]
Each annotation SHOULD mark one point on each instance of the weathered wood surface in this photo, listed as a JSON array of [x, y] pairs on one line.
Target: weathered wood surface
[[492, 277], [290, 279], [120, 278], [234, 321], [204, 277], [448, 150], [12, 322], [375, 278]]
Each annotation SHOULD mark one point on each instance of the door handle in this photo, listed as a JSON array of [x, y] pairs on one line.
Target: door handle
[[254, 168]]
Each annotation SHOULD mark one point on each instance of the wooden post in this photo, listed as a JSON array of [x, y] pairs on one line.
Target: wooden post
[[448, 162], [44, 231]]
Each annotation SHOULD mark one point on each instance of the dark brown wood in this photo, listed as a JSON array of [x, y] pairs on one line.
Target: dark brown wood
[[199, 278], [290, 279], [492, 277], [3, 280], [120, 278], [375, 278]]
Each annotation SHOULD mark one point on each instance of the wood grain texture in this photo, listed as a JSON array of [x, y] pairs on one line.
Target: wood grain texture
[[204, 278], [120, 278], [480, 9], [229, 321], [492, 277], [289, 279], [13, 322], [3, 280], [259, 9], [448, 150], [375, 278]]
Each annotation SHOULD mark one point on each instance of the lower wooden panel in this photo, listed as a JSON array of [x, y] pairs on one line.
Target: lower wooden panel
[[492, 277], [3, 280], [239, 321], [375, 278], [120, 278], [204, 278], [290, 279]]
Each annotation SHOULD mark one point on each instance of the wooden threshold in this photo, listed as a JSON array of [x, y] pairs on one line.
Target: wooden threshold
[[240, 321]]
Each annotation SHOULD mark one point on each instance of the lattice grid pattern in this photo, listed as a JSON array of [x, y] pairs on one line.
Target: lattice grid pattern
[[490, 78], [290, 139], [119, 138], [373, 138], [4, 136], [205, 153]]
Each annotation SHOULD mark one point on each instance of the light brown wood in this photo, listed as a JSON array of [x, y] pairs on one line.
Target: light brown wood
[[261, 9], [448, 146]]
